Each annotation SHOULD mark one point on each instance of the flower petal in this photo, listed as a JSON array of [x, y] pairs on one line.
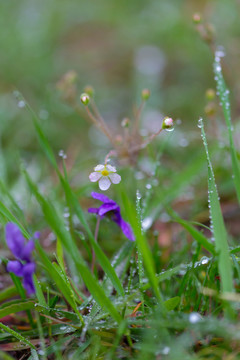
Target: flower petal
[[101, 197], [115, 178], [105, 208], [15, 267], [15, 239], [95, 176], [28, 284], [127, 230], [29, 268], [99, 167], [104, 183], [93, 210], [111, 168], [27, 251]]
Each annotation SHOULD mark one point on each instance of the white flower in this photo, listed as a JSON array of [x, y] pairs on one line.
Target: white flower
[[105, 174]]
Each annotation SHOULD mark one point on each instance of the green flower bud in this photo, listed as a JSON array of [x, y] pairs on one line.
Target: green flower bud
[[210, 94], [197, 18], [89, 90], [125, 123], [168, 124], [146, 94], [85, 99]]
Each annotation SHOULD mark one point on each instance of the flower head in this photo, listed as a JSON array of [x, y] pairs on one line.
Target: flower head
[[111, 208], [167, 123], [105, 174], [24, 265]]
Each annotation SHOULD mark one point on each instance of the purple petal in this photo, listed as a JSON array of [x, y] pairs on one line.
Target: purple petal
[[28, 284], [28, 269], [37, 235], [27, 251], [93, 210], [127, 230], [15, 239], [15, 267], [102, 197], [105, 208]]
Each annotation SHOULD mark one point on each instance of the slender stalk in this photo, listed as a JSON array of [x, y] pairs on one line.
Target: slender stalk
[[138, 116], [99, 124], [95, 237]]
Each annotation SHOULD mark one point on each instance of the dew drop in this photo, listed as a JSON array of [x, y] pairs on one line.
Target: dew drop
[[170, 129], [21, 104], [194, 318], [62, 154], [200, 123]]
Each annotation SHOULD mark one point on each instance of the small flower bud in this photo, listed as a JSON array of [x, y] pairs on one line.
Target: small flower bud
[[125, 123], [145, 94], [85, 99], [118, 139], [210, 94], [167, 123], [89, 90], [197, 18], [210, 109]]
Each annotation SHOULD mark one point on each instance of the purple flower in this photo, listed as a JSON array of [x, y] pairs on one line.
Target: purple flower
[[111, 208], [24, 265]]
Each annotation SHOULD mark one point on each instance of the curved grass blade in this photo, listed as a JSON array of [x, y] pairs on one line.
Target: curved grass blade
[[17, 335], [16, 307], [58, 227], [197, 235], [102, 258], [217, 225], [144, 248], [225, 103]]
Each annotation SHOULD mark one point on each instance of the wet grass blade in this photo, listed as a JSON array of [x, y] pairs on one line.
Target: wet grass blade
[[17, 335], [197, 235], [144, 248], [225, 103], [217, 225], [58, 227], [102, 258]]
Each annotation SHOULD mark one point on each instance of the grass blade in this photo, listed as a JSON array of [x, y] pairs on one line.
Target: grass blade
[[17, 335], [58, 227], [102, 258], [217, 225], [197, 235], [225, 103], [144, 248]]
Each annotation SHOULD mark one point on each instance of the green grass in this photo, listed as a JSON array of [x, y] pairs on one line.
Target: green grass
[[174, 292]]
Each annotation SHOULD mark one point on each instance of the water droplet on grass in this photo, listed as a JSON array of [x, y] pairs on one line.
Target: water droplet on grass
[[62, 154], [194, 318], [21, 104], [146, 223], [200, 123]]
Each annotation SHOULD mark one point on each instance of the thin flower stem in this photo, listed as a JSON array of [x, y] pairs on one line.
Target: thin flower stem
[[146, 142], [100, 124], [95, 237], [100, 118], [111, 153], [137, 116]]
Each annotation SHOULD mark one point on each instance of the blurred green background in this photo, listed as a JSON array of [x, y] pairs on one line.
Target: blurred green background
[[119, 47]]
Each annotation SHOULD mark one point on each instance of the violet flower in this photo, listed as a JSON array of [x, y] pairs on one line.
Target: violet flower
[[24, 266], [111, 208]]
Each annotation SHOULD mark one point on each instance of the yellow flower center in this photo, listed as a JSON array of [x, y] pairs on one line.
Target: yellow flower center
[[105, 172]]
